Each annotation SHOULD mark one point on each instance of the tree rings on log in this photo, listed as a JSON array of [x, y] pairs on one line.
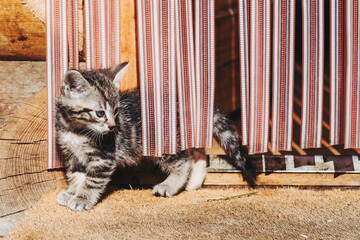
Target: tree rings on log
[[23, 158]]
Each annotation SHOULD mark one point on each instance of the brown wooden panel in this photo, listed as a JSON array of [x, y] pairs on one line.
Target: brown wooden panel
[[215, 150], [226, 35], [227, 86], [128, 43], [225, 4]]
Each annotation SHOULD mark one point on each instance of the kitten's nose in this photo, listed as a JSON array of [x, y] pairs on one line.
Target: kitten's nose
[[111, 124]]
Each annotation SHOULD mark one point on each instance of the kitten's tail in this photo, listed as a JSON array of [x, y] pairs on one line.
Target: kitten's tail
[[228, 138]]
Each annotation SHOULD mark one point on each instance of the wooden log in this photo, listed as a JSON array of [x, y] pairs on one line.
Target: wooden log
[[22, 35], [23, 156], [19, 82]]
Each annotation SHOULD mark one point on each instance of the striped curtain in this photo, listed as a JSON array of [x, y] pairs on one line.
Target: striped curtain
[[102, 33], [177, 63], [352, 74], [255, 45], [57, 62], [255, 69], [283, 74], [176, 60], [313, 73], [259, 75], [102, 41]]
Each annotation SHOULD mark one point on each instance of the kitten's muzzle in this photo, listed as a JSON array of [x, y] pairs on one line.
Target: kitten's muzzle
[[111, 124], [112, 128]]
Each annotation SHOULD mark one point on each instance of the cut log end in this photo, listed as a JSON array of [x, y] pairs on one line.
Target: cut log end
[[23, 156]]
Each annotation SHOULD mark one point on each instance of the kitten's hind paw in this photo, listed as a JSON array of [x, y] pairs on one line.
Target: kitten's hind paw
[[63, 198], [163, 190]]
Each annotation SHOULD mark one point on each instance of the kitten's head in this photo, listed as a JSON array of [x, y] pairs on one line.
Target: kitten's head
[[89, 100]]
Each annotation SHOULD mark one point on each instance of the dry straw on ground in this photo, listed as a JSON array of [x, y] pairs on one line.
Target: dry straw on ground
[[136, 214]]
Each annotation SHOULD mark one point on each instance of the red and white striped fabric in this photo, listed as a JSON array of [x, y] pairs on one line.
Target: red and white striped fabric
[[352, 75], [185, 72], [344, 73], [283, 74], [150, 76], [337, 77], [57, 65], [73, 33], [169, 75], [147, 74], [176, 51], [313, 73], [205, 71], [260, 20], [244, 16], [102, 33]]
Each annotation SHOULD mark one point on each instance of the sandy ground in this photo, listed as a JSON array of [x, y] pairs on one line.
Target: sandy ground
[[135, 214]]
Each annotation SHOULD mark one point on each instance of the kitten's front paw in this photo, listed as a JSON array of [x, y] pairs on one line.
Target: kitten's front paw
[[63, 198], [163, 190], [80, 204], [73, 202]]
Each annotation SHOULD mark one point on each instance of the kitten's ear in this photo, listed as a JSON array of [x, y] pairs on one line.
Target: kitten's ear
[[75, 85], [118, 72]]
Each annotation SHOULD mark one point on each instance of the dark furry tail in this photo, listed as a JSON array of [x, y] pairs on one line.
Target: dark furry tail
[[228, 138]]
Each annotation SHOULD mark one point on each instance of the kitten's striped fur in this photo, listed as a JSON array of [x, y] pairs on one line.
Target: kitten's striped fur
[[99, 129]]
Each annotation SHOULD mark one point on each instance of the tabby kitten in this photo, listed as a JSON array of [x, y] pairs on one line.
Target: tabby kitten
[[99, 129]]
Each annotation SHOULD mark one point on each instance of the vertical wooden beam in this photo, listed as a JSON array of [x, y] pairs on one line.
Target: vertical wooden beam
[[128, 43]]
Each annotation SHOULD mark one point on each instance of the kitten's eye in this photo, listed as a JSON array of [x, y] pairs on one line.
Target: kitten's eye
[[100, 113]]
